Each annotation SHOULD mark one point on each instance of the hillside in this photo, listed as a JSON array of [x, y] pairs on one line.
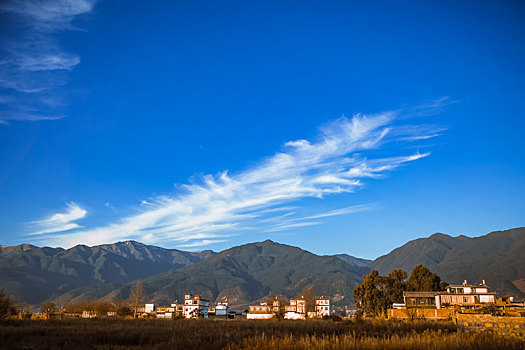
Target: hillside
[[250, 272], [497, 257], [361, 265], [33, 274], [247, 273], [428, 251]]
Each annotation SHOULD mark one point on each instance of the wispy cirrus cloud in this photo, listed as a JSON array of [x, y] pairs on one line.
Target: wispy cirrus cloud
[[202, 243], [59, 222], [259, 197], [33, 66]]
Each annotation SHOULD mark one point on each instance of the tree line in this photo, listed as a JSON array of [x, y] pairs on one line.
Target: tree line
[[377, 293], [372, 297], [10, 307]]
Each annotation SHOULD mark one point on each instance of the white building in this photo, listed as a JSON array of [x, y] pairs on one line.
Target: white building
[[195, 306], [322, 307], [221, 309], [466, 295], [462, 295], [292, 315], [263, 311], [178, 309], [149, 308], [296, 305]]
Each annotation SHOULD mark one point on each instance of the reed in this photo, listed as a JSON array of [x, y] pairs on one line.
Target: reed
[[243, 334]]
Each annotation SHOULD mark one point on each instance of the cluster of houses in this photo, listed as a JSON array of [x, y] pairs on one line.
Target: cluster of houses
[[460, 295], [465, 297], [195, 306], [298, 309]]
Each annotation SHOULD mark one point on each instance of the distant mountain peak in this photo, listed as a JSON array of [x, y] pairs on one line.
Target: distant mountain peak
[[20, 247], [252, 271], [439, 234], [496, 256], [52, 271], [353, 261]]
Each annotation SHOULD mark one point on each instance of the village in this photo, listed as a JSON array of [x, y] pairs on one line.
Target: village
[[195, 306], [457, 299], [463, 299]]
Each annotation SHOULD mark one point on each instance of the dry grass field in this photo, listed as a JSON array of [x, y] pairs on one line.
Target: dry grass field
[[242, 334]]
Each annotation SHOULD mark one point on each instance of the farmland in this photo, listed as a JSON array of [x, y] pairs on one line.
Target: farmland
[[243, 334]]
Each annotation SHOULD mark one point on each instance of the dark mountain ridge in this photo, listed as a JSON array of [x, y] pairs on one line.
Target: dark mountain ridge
[[35, 274], [250, 272], [497, 257]]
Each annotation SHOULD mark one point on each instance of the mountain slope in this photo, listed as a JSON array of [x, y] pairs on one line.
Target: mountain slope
[[359, 264], [428, 251], [250, 272], [497, 257], [34, 274], [247, 273]]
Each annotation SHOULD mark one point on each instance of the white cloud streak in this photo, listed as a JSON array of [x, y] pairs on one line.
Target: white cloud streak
[[34, 65], [258, 198], [60, 222], [49, 13], [202, 243]]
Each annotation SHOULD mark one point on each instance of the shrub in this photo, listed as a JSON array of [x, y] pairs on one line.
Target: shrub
[[6, 305]]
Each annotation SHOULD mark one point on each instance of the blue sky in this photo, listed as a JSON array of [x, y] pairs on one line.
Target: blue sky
[[339, 127]]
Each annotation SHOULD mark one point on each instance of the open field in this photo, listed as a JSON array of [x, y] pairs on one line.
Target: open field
[[235, 334]]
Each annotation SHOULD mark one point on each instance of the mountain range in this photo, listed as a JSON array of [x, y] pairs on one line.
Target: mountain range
[[498, 258], [253, 271], [249, 272], [33, 274]]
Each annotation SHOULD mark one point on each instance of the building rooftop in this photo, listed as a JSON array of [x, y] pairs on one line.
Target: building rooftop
[[420, 294]]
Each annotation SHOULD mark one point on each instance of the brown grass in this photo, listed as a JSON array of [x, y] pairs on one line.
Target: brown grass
[[427, 340], [242, 334]]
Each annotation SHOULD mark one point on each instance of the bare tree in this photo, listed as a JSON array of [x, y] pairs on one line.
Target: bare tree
[[48, 308], [137, 297], [308, 295], [277, 303], [5, 305]]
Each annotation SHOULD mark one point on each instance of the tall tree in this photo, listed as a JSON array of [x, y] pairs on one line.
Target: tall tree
[[377, 293], [396, 286], [5, 305], [137, 296], [369, 296], [422, 279], [308, 295], [281, 302], [47, 308]]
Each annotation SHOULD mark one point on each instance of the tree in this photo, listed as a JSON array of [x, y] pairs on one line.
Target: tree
[[24, 311], [377, 293], [279, 307], [396, 286], [369, 296], [102, 308], [60, 306], [47, 308], [307, 294], [443, 285], [422, 279], [137, 297], [5, 305], [123, 309]]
